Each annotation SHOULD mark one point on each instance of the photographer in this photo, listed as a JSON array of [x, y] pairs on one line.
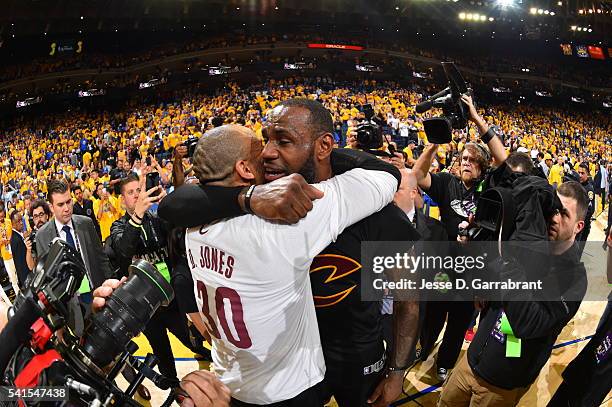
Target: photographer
[[487, 375], [457, 198], [141, 234]]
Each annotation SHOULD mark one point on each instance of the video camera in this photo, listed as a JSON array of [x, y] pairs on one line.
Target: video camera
[[368, 133], [42, 346], [513, 206], [456, 112]]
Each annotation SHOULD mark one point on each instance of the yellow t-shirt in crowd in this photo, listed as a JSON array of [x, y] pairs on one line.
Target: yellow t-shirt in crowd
[[107, 218], [87, 158], [555, 175], [5, 237]]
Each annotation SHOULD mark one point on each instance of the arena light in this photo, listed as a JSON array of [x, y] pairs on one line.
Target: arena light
[[546, 12], [461, 16], [573, 28], [552, 13], [483, 18], [505, 3], [491, 19], [533, 10], [540, 11], [468, 16], [559, 3]]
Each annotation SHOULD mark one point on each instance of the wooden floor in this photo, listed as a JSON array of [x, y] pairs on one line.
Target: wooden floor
[[421, 386]]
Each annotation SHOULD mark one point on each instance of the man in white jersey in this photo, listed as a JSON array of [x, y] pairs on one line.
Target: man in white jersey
[[251, 276]]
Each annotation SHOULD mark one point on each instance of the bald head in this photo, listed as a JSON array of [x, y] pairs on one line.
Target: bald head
[[220, 150], [409, 180], [407, 196]]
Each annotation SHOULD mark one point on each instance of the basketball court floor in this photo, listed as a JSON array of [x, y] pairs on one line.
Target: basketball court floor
[[421, 387]]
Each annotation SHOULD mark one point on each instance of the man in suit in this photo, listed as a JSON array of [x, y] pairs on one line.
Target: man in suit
[[84, 207], [409, 198], [21, 248], [79, 232]]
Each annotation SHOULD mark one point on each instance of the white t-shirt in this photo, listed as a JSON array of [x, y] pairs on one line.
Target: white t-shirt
[[252, 286]]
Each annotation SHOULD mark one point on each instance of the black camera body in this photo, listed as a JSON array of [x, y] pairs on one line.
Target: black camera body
[[368, 133], [455, 111], [85, 357], [191, 144], [513, 206]]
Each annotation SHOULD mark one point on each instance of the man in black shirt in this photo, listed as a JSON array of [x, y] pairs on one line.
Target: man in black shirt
[[457, 197], [487, 375], [84, 207], [351, 330], [587, 184]]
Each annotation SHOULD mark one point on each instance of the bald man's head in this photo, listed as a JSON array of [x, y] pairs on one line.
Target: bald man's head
[[226, 150], [407, 196], [409, 180]]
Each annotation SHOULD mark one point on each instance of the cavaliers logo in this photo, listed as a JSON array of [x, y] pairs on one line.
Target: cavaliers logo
[[338, 267]]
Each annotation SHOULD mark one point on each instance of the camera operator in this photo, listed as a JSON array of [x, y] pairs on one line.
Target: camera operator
[[40, 214], [140, 233], [457, 198], [486, 376]]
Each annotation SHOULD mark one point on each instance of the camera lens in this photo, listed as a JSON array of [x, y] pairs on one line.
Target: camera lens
[[126, 313]]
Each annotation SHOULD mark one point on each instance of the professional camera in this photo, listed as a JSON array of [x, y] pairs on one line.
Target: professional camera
[[191, 144], [513, 206], [456, 112], [45, 342], [368, 133]]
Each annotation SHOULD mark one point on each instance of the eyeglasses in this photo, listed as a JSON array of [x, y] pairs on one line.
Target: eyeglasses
[[39, 215]]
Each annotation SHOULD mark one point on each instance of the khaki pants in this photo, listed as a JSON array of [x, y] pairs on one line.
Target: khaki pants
[[464, 388]]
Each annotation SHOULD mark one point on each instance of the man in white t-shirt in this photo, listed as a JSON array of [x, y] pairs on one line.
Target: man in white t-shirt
[[251, 276]]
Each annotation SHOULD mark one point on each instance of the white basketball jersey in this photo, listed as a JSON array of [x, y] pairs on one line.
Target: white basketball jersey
[[252, 286]]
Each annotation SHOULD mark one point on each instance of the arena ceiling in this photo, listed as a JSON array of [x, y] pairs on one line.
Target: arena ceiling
[[554, 19]]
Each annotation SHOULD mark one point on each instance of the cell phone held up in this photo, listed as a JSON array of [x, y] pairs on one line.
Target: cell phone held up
[[152, 182]]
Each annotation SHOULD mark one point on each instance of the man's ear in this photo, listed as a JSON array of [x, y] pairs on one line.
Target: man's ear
[[579, 226], [244, 170], [324, 146]]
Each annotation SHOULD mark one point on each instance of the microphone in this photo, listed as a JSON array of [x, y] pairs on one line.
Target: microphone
[[428, 104]]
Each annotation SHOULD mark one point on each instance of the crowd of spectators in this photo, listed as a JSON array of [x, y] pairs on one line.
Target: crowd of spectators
[[86, 148]]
